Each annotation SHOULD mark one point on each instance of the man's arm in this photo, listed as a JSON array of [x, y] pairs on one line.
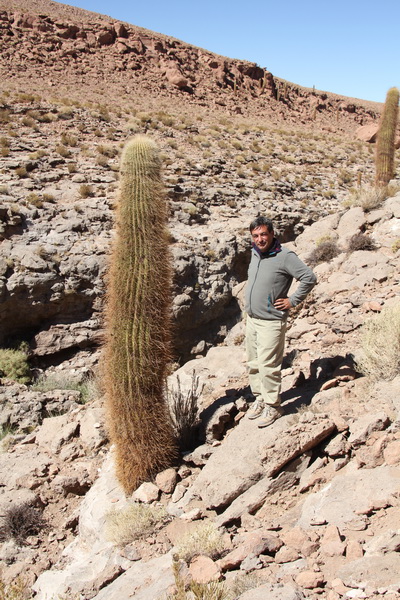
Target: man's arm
[[299, 271]]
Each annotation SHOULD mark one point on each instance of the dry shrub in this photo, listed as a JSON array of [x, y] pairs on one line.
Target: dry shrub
[[324, 252], [206, 540], [184, 411], [244, 582], [16, 590], [360, 241], [21, 172], [20, 521], [369, 197], [134, 521], [86, 191], [380, 343], [88, 387], [214, 590]]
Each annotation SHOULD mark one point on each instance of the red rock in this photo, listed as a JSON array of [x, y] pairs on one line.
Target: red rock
[[391, 454], [166, 480], [203, 569], [106, 38], [367, 133], [310, 580], [175, 77], [354, 550], [286, 555], [295, 538]]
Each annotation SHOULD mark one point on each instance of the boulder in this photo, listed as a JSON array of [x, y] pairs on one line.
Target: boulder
[[373, 571], [203, 570], [248, 454], [365, 490], [367, 133]]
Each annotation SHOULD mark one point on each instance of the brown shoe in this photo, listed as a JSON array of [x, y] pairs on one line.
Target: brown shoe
[[269, 415]]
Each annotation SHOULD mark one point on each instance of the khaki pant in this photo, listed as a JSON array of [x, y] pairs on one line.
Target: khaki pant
[[265, 343]]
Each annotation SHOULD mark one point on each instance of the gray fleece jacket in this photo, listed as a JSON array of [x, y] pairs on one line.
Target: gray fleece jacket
[[270, 277]]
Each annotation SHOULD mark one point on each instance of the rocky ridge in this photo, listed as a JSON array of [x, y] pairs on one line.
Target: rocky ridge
[[89, 56]]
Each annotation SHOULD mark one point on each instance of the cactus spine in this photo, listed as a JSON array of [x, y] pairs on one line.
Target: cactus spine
[[138, 321], [385, 147]]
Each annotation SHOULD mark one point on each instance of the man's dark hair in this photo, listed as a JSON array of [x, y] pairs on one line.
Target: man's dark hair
[[259, 221]]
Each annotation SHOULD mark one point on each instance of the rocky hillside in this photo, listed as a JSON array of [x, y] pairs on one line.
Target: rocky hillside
[[58, 185], [307, 508]]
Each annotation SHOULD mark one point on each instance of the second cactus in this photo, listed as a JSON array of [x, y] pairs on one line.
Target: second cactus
[[386, 139]]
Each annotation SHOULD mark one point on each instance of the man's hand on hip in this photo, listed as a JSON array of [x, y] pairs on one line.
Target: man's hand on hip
[[282, 304]]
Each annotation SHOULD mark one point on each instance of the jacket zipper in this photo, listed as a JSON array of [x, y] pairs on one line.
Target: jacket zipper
[[254, 282]]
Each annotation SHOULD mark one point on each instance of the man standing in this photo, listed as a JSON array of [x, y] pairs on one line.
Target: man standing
[[271, 272]]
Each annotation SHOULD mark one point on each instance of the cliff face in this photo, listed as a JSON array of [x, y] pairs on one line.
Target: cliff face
[[62, 50]]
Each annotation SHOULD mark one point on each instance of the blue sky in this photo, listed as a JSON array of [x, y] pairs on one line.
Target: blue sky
[[346, 47]]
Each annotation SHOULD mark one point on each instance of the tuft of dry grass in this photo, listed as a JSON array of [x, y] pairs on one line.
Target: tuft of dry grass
[[86, 190], [16, 590], [380, 345], [206, 540], [368, 197], [129, 524]]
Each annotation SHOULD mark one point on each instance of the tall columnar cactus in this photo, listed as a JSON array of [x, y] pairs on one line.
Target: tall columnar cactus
[[387, 138], [138, 320]]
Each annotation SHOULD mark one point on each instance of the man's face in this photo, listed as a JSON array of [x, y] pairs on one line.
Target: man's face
[[262, 237]]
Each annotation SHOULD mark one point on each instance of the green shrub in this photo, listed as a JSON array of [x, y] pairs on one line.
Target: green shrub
[[135, 521], [14, 365], [396, 245], [380, 345]]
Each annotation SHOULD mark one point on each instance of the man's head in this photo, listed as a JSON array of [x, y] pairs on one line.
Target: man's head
[[262, 233]]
